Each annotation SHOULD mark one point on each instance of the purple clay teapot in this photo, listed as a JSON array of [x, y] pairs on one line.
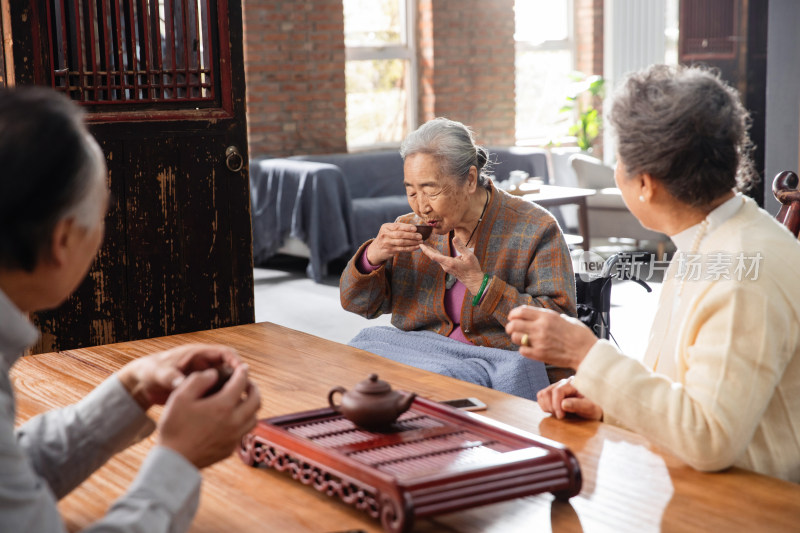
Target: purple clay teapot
[[372, 404]]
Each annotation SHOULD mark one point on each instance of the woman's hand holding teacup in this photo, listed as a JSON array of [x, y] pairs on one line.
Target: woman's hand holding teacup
[[393, 238], [466, 267], [550, 337]]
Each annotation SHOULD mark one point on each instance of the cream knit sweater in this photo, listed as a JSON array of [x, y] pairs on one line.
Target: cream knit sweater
[[720, 382]]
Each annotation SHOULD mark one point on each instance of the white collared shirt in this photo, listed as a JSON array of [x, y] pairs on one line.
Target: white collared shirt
[[16, 331], [724, 211]]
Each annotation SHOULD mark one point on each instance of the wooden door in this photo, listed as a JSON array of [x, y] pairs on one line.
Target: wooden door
[[162, 82], [731, 35]]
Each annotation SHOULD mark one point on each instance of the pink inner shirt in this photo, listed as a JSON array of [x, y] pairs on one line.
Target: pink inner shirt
[[453, 297]]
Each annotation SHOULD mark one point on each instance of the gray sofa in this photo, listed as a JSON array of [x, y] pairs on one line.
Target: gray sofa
[[326, 206]]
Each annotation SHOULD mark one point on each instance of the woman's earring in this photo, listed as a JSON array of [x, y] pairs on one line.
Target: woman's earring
[[641, 198]]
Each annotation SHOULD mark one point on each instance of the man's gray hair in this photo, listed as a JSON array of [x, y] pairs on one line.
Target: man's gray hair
[[686, 128], [87, 199], [453, 146], [50, 171]]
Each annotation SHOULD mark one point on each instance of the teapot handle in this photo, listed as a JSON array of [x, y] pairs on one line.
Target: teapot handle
[[340, 390]]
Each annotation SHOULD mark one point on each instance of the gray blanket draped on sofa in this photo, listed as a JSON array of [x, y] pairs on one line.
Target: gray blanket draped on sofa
[[307, 201]]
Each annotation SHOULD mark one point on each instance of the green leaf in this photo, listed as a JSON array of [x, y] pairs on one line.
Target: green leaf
[[576, 75], [587, 123]]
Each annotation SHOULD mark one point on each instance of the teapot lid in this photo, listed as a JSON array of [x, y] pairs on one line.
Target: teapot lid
[[373, 385]]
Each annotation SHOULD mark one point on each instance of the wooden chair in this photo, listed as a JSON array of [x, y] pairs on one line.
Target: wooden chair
[[784, 187]]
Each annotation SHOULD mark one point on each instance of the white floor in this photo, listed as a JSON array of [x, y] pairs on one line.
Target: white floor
[[285, 296]]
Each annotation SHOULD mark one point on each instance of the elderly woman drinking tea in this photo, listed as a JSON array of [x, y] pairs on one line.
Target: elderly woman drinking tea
[[488, 253], [719, 384]]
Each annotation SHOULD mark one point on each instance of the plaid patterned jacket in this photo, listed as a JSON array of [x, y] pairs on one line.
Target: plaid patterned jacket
[[519, 245]]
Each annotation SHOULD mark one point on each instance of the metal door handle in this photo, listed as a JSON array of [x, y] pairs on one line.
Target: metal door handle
[[233, 159]]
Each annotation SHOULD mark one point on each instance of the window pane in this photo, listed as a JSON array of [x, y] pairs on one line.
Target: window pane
[[542, 87], [373, 22], [376, 101], [541, 20]]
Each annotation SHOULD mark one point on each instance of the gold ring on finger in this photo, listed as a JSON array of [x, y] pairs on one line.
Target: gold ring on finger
[[524, 341]]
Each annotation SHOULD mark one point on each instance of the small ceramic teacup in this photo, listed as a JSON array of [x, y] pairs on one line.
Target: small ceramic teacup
[[424, 230]]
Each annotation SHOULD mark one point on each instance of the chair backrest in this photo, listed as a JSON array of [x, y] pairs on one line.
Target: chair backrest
[[784, 187], [591, 172]]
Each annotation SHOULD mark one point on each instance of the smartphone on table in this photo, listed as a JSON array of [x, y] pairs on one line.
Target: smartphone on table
[[466, 404]]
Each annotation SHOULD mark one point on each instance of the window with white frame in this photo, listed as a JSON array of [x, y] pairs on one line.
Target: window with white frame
[[544, 61], [380, 70]]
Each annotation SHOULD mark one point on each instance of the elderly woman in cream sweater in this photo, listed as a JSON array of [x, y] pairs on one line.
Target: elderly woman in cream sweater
[[719, 384]]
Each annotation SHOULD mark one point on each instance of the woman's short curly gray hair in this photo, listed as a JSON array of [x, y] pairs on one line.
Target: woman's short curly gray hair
[[453, 146], [686, 128]]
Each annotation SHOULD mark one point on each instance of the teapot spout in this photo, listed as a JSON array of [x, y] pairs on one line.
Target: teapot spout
[[405, 402]]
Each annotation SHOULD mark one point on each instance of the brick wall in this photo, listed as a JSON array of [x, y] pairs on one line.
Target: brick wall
[[425, 61], [466, 58], [588, 30], [589, 36], [294, 70]]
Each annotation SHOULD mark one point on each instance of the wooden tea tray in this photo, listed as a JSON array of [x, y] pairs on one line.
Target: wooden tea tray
[[435, 459]]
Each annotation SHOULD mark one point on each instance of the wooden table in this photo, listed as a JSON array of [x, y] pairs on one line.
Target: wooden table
[[628, 485], [555, 195]]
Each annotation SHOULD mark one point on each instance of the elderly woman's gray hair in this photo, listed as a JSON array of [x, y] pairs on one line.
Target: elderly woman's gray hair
[[685, 127], [452, 144]]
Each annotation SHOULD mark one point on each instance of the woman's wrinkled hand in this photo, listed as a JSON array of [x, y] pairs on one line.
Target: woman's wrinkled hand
[[549, 337], [562, 398], [393, 238], [151, 379], [207, 429], [466, 267]]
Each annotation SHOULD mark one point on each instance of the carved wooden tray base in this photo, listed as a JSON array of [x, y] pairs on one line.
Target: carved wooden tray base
[[434, 459]]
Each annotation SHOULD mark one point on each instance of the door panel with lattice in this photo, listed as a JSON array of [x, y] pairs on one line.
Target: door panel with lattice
[[162, 83]]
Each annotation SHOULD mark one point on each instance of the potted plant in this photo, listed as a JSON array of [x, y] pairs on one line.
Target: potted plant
[[587, 92]]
